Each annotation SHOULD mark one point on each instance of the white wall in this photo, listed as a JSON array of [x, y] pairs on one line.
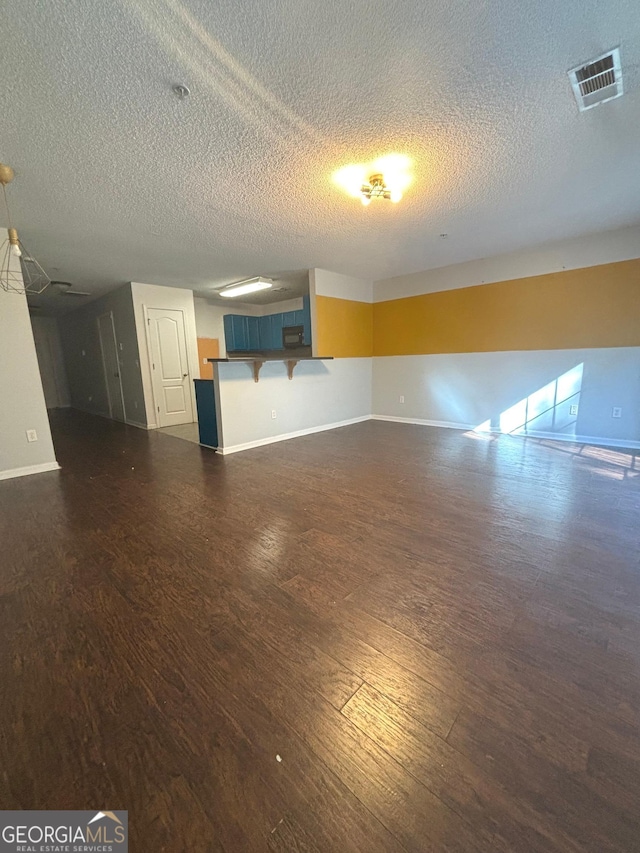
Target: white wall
[[465, 390], [209, 315], [147, 296], [321, 395], [83, 356], [22, 404], [51, 361], [328, 283], [607, 247]]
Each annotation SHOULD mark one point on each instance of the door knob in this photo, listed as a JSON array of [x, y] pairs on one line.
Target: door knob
[[184, 375]]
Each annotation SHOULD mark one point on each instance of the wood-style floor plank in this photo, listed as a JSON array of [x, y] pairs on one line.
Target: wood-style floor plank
[[438, 635]]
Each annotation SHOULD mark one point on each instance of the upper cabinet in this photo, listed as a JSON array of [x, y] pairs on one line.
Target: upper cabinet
[[253, 332], [236, 332], [248, 334]]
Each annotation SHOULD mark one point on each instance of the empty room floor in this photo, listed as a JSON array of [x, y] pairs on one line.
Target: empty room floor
[[379, 638], [187, 432]]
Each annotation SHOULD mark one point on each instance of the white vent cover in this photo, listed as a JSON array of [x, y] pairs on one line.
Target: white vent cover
[[598, 81]]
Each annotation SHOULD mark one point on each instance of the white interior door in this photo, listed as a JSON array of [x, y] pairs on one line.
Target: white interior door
[[111, 364], [169, 366]]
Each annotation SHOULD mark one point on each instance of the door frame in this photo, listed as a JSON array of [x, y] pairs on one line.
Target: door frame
[[109, 314], [147, 337]]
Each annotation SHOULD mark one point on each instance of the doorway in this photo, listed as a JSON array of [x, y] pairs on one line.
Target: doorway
[[112, 378], [170, 374]]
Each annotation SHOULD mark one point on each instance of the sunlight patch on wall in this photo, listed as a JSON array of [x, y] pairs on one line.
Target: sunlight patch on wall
[[550, 409]]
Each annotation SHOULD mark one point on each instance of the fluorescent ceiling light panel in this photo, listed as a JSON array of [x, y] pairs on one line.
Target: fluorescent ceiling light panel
[[248, 286]]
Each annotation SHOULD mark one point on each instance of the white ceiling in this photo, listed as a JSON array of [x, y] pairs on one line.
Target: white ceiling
[[118, 180]]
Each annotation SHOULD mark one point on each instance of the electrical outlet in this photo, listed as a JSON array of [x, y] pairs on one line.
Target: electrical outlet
[[135, 404], [90, 399], [32, 435], [204, 360], [120, 347], [273, 413], [616, 412], [573, 410], [402, 398], [84, 352]]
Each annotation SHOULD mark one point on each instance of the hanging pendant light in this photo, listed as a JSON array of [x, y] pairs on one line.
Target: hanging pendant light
[[19, 270]]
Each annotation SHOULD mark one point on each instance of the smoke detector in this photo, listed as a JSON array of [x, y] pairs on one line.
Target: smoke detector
[[599, 81]]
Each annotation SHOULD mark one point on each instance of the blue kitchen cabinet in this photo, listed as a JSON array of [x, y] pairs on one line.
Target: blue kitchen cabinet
[[229, 338], [240, 332], [236, 332], [264, 332], [206, 406], [253, 330], [276, 330]]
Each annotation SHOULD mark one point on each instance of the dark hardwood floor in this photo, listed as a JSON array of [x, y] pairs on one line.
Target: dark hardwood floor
[[438, 636]]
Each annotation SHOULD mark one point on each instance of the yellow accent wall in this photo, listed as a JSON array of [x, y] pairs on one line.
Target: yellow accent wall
[[344, 328], [592, 307]]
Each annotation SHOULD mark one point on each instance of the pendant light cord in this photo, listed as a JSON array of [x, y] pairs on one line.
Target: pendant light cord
[[6, 204]]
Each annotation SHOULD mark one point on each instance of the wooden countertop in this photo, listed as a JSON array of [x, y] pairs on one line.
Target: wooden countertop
[[289, 357]]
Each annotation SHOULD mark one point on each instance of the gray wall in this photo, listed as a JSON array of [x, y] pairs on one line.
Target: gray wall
[[22, 405], [51, 361], [83, 358]]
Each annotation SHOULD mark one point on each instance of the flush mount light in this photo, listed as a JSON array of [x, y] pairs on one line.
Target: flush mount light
[[375, 187], [250, 285], [385, 178]]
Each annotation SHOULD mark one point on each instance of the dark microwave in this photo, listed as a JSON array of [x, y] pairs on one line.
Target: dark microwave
[[292, 336]]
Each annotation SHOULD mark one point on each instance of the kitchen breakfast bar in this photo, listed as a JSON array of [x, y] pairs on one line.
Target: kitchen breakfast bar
[[210, 401]]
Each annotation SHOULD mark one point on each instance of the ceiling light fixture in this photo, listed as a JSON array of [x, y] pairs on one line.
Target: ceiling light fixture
[[376, 188], [250, 285], [19, 270], [387, 178]]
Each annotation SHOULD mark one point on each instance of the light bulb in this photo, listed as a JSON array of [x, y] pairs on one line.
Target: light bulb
[[15, 250], [365, 200], [395, 196]]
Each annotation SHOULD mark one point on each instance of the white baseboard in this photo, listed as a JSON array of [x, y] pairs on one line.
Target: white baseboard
[[137, 424], [538, 434], [423, 422], [29, 469], [584, 439], [285, 436]]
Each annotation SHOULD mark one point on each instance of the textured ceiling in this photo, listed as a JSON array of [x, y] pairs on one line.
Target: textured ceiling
[[118, 180]]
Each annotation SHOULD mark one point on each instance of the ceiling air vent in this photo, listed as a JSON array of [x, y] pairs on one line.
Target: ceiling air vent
[[598, 81]]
